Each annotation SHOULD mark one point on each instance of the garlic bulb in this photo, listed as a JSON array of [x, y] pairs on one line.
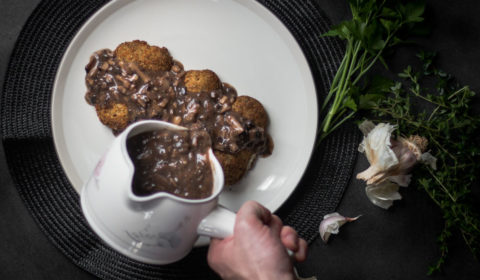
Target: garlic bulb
[[391, 160], [331, 224]]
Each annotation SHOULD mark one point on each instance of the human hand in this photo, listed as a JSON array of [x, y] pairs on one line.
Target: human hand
[[258, 247]]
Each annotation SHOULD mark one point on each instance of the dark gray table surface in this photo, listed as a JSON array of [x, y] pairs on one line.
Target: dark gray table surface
[[394, 244]]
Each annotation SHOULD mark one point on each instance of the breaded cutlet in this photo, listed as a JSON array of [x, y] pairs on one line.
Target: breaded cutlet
[[201, 81], [147, 57], [235, 165], [114, 116], [251, 109]]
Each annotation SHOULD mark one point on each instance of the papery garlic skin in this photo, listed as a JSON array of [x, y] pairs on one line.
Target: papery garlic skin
[[331, 224], [428, 159], [401, 180], [376, 145], [383, 194], [407, 156], [390, 158], [365, 127]]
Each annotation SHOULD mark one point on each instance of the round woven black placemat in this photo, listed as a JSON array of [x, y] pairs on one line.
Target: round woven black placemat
[[46, 191]]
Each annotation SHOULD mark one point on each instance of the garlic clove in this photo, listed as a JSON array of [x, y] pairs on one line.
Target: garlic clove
[[331, 224], [401, 180], [377, 147], [383, 194]]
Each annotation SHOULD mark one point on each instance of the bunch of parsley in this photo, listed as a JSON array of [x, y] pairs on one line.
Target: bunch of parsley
[[376, 26], [432, 104]]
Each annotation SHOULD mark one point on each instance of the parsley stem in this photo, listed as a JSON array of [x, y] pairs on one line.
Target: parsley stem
[[342, 121], [342, 89], [375, 58], [339, 115], [334, 86], [324, 135]]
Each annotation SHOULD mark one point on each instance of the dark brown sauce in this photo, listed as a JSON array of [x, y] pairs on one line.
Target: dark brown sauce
[[162, 95], [176, 162]]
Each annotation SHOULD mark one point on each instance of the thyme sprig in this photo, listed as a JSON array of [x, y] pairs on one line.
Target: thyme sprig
[[453, 131]]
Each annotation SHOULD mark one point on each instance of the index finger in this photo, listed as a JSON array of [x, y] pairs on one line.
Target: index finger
[[252, 209]]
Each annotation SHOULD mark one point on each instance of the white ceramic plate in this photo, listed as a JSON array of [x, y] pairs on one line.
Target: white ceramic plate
[[243, 42]]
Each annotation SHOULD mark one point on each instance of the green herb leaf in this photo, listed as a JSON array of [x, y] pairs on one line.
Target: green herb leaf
[[369, 101], [374, 29], [350, 103], [414, 11], [453, 132]]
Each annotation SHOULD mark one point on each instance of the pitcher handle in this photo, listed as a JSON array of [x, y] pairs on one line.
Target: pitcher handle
[[218, 224]]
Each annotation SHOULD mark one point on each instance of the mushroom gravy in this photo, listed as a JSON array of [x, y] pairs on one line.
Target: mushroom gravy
[[170, 161], [162, 95]]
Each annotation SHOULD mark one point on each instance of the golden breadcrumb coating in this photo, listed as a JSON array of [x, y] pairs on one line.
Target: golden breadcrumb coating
[[201, 81], [115, 116], [236, 165], [251, 109], [147, 57]]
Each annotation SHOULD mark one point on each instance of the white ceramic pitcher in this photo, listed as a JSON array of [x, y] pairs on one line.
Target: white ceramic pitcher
[[160, 228]]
